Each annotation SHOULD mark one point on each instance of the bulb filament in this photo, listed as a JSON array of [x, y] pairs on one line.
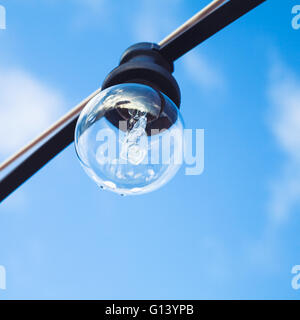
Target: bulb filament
[[134, 144]]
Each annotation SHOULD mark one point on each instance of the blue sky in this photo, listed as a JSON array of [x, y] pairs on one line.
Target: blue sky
[[231, 232]]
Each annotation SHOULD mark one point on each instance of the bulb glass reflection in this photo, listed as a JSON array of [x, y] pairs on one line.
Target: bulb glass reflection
[[129, 139]]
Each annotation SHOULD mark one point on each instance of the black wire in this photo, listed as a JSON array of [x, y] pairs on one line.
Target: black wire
[[207, 27], [37, 160]]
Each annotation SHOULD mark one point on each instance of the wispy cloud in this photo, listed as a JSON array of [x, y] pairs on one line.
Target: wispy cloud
[[154, 20], [83, 14], [90, 13], [284, 95], [27, 106], [202, 72]]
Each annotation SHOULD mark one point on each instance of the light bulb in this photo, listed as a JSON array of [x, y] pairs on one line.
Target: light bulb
[[129, 139]]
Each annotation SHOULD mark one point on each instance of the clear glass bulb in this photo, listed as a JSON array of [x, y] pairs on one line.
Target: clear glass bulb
[[129, 139]]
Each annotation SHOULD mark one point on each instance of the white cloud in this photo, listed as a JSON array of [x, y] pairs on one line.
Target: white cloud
[[27, 107], [284, 94], [202, 72], [83, 14], [155, 19], [91, 13]]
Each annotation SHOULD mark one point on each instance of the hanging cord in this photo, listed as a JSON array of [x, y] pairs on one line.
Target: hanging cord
[[192, 21]]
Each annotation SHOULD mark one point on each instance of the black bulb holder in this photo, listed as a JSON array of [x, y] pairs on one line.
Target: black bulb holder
[[143, 63]]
